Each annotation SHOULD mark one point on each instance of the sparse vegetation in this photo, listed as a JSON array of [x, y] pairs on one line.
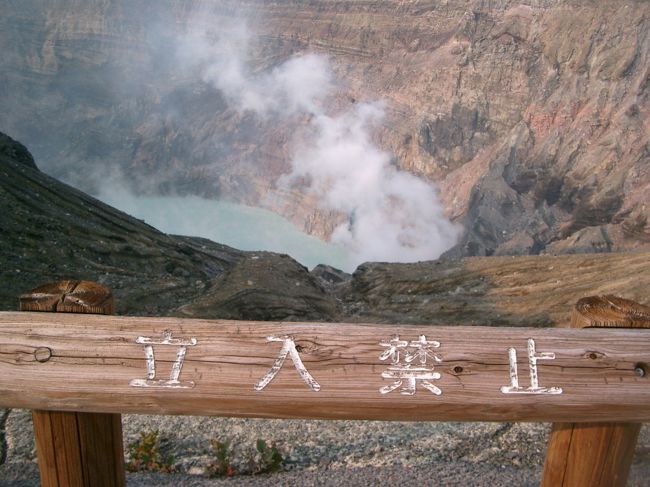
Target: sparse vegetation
[[268, 459], [221, 465], [265, 459], [145, 455]]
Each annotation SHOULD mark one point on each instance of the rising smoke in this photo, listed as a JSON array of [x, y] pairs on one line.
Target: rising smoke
[[390, 215]]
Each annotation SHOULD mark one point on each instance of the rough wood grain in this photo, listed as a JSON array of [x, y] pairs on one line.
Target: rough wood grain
[[69, 297], [590, 454], [596, 454], [100, 440], [79, 449], [57, 445], [94, 360], [75, 448], [610, 311]]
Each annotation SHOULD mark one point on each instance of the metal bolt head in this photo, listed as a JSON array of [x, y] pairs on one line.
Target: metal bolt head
[[640, 370]]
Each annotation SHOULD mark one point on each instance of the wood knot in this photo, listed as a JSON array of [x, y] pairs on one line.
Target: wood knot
[[593, 355], [42, 354]]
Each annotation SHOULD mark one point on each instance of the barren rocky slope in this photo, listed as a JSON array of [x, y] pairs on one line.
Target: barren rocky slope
[[531, 115]]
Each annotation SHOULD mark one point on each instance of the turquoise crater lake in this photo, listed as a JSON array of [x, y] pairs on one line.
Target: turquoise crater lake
[[239, 226]]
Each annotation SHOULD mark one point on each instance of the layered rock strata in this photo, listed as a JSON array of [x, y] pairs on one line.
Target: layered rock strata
[[530, 116]]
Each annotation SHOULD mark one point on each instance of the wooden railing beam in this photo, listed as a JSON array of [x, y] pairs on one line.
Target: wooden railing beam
[[239, 368], [592, 383]]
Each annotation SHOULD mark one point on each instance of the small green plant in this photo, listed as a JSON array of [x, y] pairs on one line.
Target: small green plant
[[221, 465], [145, 455], [268, 458]]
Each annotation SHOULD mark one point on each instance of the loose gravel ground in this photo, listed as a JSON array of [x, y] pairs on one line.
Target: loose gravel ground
[[328, 453]]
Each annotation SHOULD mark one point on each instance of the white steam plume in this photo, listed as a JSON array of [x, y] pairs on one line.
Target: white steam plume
[[296, 86], [392, 215]]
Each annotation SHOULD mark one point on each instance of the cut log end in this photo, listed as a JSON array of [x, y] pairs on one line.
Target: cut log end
[[69, 297], [610, 311]]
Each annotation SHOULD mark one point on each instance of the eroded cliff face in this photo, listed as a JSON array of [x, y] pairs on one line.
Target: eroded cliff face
[[532, 117]]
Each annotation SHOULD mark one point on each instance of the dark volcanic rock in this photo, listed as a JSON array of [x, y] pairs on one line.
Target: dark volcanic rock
[[456, 138], [265, 286], [329, 276], [12, 149]]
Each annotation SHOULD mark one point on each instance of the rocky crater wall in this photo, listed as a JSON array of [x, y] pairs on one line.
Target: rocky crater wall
[[531, 117]]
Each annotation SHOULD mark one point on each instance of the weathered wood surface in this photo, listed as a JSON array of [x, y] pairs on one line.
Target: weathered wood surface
[[79, 449], [69, 297], [87, 364], [596, 454], [609, 312], [590, 454]]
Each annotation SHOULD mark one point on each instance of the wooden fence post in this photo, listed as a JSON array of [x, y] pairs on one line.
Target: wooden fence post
[[596, 454], [76, 449]]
